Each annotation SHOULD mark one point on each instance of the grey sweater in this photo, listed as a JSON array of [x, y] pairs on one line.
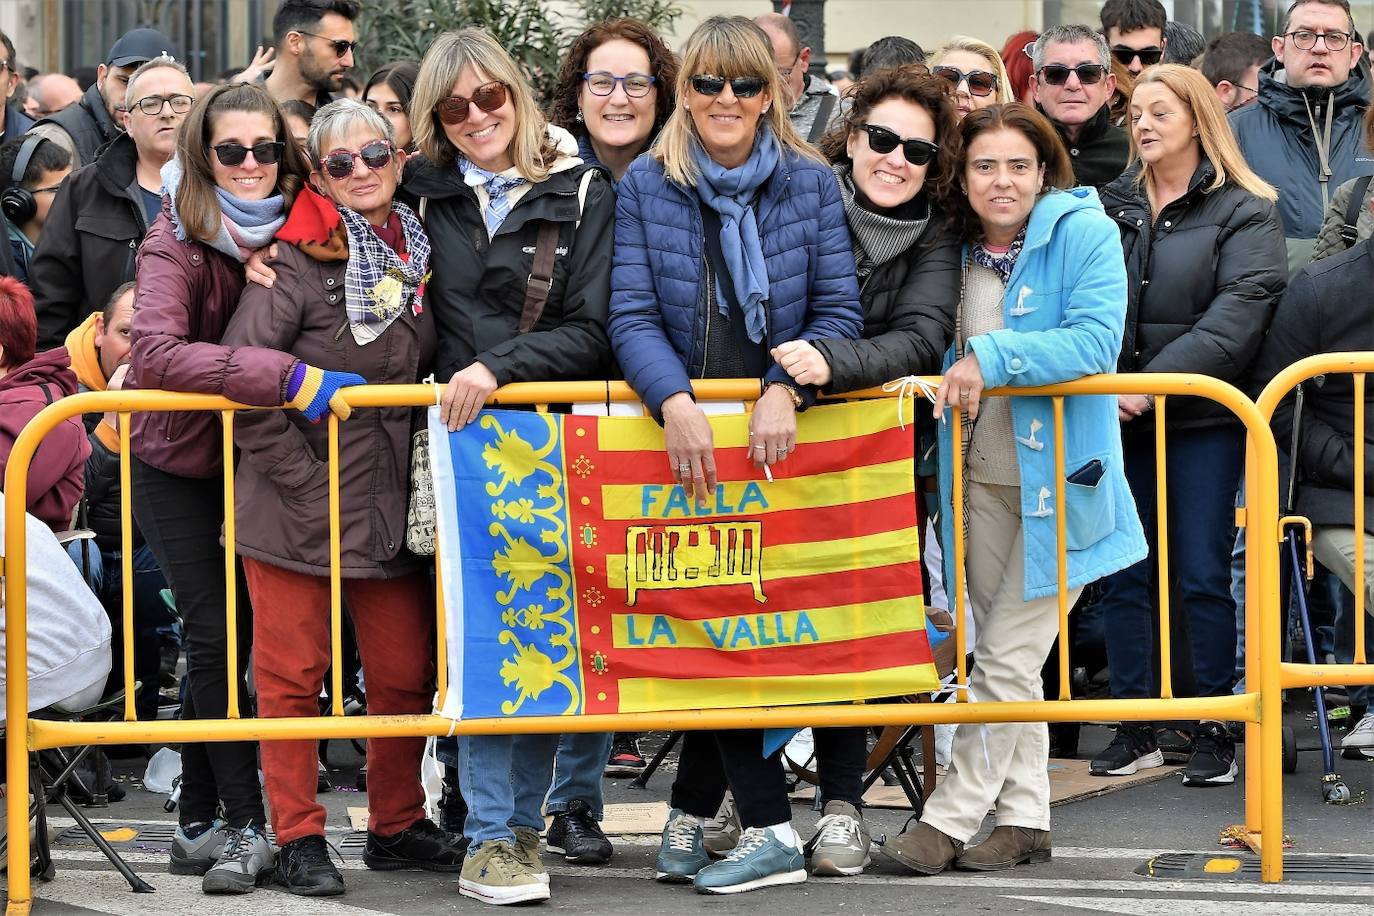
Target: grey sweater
[[992, 452]]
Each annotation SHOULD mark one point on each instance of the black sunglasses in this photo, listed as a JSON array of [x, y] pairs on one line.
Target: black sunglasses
[[1058, 74], [232, 154], [883, 141], [375, 154], [1148, 56], [980, 82], [340, 46], [744, 87]]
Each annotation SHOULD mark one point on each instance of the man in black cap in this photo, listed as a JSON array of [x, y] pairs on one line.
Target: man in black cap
[[96, 120]]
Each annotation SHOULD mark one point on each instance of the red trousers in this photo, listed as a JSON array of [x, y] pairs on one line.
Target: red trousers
[[394, 623]]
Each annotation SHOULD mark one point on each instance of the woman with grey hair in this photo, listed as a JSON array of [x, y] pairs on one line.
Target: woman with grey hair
[[347, 300]]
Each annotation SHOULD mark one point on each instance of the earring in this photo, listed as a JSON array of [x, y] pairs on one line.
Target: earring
[[579, 116]]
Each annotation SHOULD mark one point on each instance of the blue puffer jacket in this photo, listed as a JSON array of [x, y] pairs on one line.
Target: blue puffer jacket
[[1064, 313], [658, 299]]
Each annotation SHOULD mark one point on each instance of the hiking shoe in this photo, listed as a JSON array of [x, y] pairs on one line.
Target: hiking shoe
[[1006, 847], [1133, 748], [1361, 737], [195, 856], [721, 832], [681, 853], [1214, 757], [303, 867], [421, 846], [923, 849], [760, 859], [626, 761], [527, 851], [245, 862], [840, 846], [577, 836], [1176, 744], [494, 874]]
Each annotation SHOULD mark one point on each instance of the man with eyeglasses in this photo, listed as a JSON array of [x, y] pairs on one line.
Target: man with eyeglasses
[[15, 122], [102, 212], [1306, 134], [97, 118], [813, 105], [314, 50], [1231, 64], [1072, 84], [1135, 31]]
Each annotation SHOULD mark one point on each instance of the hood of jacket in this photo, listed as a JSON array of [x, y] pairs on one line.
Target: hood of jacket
[[117, 167], [426, 179], [1291, 103], [1049, 210], [52, 367], [85, 355]]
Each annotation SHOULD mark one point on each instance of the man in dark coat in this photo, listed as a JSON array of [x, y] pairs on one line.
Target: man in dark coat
[[1077, 103], [1306, 134], [16, 122]]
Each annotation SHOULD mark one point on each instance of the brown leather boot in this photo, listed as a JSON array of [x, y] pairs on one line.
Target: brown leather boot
[[1007, 846], [923, 849]]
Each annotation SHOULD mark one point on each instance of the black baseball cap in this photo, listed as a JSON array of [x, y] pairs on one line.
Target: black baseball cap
[[140, 46]]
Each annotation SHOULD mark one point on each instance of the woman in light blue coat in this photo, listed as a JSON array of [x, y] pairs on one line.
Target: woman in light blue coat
[[1043, 301]]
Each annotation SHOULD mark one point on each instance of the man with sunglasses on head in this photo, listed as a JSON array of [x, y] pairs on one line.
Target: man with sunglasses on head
[[315, 46], [102, 211], [1306, 135], [1135, 31], [1072, 85], [813, 105]]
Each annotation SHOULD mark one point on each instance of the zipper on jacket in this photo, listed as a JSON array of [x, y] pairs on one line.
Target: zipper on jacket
[[706, 344]]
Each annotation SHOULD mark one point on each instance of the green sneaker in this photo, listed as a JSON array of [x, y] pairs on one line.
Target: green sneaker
[[527, 851], [840, 846], [722, 831], [494, 874]]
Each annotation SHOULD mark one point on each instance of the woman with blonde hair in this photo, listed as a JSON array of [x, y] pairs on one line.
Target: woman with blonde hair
[[730, 241], [1206, 267], [521, 233], [975, 70]]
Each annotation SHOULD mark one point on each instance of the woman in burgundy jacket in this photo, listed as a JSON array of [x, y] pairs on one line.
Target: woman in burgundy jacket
[[225, 194]]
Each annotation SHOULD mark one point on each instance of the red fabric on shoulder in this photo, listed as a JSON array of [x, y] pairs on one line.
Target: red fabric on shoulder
[[313, 219]]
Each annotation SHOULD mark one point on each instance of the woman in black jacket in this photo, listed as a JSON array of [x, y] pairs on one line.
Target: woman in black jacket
[[1205, 260]]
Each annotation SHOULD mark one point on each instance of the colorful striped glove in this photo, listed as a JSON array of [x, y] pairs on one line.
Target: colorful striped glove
[[310, 389]]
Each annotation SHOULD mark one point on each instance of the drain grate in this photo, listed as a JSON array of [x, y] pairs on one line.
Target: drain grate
[[1246, 867]]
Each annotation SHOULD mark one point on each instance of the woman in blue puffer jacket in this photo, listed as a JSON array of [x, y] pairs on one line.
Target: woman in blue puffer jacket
[[730, 239]]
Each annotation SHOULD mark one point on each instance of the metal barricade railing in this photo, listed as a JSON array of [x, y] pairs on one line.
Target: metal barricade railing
[[1264, 814]]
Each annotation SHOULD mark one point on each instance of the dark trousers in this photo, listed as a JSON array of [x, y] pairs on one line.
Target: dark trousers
[[1204, 468], [181, 519], [841, 757], [711, 761]]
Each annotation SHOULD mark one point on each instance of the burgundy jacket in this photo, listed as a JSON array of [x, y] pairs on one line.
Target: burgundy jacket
[[57, 471], [186, 294]]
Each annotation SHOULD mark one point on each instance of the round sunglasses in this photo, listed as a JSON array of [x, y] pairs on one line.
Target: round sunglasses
[[375, 154], [1058, 74], [456, 108], [980, 82], [744, 87], [233, 154], [883, 141]]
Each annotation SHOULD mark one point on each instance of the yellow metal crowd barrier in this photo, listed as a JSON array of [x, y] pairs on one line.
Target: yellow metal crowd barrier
[[1259, 708]]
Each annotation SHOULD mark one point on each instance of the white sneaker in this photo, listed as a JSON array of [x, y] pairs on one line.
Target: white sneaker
[[1362, 735], [840, 846]]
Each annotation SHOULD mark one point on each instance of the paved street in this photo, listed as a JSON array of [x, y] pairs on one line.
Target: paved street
[[1101, 845]]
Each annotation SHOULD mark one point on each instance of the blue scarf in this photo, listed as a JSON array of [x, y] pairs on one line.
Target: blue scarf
[[497, 187], [731, 192]]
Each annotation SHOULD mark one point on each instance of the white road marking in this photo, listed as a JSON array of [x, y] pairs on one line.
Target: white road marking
[[1180, 907], [177, 895]]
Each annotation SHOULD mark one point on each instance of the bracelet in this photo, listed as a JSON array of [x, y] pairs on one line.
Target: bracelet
[[793, 393]]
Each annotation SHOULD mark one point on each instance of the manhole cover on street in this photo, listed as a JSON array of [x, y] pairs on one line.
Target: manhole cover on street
[[1246, 867]]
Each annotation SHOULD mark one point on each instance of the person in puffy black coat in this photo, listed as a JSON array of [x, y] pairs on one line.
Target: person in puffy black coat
[[1205, 259]]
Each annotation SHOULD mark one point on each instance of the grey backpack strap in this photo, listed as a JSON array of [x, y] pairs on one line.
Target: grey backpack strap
[[818, 126]]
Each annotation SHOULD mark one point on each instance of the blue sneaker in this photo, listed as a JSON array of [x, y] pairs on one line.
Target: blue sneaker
[[760, 860], [682, 853]]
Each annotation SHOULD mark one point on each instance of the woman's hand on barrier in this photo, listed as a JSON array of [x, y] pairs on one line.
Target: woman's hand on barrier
[[691, 446], [962, 385], [467, 391], [772, 426], [256, 269], [1130, 406], [803, 362]]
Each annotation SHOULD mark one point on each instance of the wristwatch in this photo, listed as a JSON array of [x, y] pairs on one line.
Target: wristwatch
[[793, 393]]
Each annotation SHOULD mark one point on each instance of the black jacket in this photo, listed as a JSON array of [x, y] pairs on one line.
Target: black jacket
[[16, 125], [102, 495], [88, 243], [908, 307], [1327, 309], [1101, 151], [478, 288], [1202, 283], [88, 123]]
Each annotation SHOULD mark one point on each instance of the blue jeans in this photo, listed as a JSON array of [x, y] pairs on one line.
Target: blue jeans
[[578, 769], [1204, 466], [504, 779]]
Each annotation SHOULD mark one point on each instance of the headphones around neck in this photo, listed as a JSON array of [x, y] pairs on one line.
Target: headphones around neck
[[16, 201]]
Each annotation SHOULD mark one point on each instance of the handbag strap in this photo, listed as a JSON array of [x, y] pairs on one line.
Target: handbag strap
[[540, 281]]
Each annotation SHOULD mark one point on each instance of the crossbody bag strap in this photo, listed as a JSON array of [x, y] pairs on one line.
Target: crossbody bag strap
[[1353, 208], [540, 281]]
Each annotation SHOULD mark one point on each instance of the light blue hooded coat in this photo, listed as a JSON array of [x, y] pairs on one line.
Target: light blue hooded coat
[[1064, 313]]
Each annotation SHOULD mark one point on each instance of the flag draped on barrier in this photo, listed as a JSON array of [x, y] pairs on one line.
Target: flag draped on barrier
[[579, 579]]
